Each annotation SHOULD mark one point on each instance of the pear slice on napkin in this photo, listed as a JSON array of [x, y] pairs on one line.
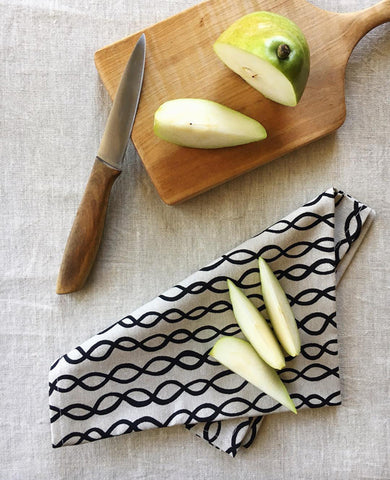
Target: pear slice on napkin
[[255, 328], [241, 358], [279, 310]]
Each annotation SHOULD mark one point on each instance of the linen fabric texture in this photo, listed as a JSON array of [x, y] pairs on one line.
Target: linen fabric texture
[[151, 369]]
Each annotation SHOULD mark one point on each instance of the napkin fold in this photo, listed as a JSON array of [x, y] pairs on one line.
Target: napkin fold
[[151, 369]]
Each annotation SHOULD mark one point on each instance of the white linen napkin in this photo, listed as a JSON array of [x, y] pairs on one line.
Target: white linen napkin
[[151, 369]]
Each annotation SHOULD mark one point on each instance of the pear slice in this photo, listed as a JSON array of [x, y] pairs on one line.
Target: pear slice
[[255, 328], [268, 51], [241, 358], [200, 123], [279, 310]]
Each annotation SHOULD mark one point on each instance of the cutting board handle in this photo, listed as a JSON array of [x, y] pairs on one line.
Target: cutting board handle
[[363, 21]]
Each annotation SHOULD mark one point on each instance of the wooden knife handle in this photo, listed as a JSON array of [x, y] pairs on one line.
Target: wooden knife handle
[[84, 238]]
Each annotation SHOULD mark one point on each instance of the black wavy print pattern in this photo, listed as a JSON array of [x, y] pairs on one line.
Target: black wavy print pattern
[[152, 369]]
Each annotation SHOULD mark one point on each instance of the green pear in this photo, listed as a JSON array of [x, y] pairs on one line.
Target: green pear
[[255, 328], [200, 123], [241, 358], [270, 52], [279, 310]]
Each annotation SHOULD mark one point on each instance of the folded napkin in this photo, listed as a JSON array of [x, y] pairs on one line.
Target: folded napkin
[[151, 369]]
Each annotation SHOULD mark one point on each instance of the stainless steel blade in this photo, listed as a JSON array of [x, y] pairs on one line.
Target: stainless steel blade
[[121, 119]]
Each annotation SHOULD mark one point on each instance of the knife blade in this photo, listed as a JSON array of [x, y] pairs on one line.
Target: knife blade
[[86, 233]]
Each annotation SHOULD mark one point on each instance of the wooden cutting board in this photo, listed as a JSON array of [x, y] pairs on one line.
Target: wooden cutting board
[[180, 62]]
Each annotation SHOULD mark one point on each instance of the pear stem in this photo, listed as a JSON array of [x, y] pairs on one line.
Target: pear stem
[[283, 51]]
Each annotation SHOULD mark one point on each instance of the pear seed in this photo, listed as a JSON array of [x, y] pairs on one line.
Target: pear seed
[[250, 72]]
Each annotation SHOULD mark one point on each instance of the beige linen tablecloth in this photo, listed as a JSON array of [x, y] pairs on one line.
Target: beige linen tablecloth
[[53, 111]]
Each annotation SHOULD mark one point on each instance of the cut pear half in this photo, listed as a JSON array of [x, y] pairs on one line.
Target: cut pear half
[[241, 358], [270, 52], [200, 123], [259, 73], [279, 310], [255, 328]]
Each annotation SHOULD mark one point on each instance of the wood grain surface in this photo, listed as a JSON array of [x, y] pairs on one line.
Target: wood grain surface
[[180, 62], [87, 230]]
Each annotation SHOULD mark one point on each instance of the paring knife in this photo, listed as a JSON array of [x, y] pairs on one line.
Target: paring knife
[[86, 233]]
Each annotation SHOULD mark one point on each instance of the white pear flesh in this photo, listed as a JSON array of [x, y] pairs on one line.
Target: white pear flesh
[[258, 73], [241, 358], [201, 123], [279, 310], [255, 328]]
